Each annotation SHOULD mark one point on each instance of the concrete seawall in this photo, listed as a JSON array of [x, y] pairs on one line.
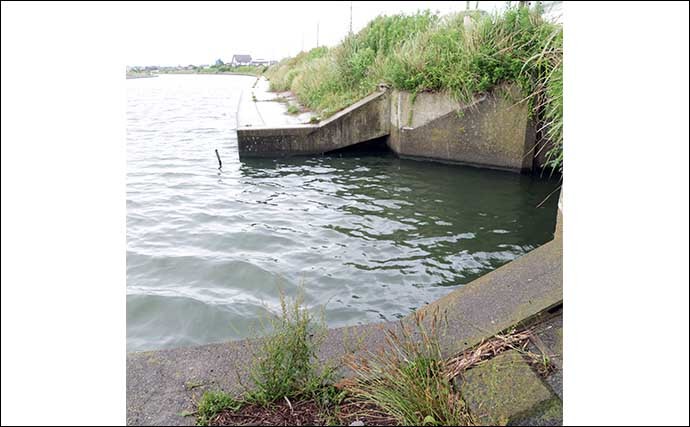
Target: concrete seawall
[[494, 131]]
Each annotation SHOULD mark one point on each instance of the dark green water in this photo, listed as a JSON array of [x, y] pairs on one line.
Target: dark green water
[[370, 237]]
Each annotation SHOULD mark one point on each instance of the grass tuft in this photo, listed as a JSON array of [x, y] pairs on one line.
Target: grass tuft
[[407, 380], [212, 403]]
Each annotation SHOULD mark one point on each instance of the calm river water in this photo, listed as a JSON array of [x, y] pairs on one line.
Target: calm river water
[[370, 237]]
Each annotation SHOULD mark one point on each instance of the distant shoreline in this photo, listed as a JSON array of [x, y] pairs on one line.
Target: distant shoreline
[[227, 73], [140, 76], [230, 73]]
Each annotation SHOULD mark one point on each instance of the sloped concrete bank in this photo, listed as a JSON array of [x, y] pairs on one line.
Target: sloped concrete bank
[[494, 131], [365, 120], [163, 385]]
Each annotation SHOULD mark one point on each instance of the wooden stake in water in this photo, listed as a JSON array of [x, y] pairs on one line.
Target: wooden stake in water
[[220, 164]]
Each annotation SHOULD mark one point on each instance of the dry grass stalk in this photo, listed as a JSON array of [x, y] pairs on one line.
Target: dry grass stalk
[[500, 343]]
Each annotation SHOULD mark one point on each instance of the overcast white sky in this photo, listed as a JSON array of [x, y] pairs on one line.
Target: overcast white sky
[[181, 33]]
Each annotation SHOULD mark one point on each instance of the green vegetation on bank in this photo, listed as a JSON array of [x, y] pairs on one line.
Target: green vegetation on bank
[[212, 403], [285, 364], [463, 54], [215, 69], [409, 381], [407, 384], [284, 367], [240, 69]]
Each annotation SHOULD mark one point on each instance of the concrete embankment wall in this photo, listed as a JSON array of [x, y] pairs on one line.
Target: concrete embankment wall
[[494, 131]]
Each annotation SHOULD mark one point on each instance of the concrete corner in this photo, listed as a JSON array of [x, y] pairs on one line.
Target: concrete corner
[[494, 131]]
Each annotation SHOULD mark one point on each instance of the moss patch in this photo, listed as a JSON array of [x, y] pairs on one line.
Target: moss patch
[[503, 388], [549, 413]]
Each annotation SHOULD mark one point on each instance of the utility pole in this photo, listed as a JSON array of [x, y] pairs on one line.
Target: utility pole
[[317, 34], [350, 17]]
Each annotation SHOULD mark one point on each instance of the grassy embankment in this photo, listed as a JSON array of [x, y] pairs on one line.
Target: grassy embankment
[[428, 52]]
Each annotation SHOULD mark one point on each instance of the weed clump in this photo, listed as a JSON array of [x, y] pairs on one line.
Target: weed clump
[[284, 367], [407, 380], [212, 403], [285, 364]]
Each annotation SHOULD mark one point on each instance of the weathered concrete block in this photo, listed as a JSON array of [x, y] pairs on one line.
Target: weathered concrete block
[[273, 142], [494, 131], [363, 121], [503, 390]]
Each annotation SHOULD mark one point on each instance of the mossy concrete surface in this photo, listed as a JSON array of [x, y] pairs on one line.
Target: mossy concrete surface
[[494, 131], [503, 390], [549, 413]]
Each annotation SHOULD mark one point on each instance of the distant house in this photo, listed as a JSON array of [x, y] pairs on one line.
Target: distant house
[[240, 60]]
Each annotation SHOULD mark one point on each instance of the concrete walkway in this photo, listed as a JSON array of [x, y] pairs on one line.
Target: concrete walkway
[[257, 108]]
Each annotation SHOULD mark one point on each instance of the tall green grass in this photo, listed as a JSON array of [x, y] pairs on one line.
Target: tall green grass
[[463, 54], [407, 380]]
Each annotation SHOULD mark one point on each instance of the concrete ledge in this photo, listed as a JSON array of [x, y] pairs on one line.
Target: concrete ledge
[[363, 121]]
